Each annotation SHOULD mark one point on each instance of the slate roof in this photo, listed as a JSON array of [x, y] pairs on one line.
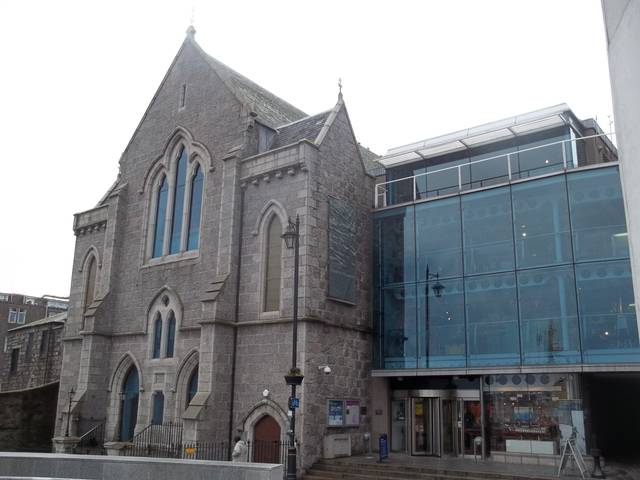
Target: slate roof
[[271, 110], [58, 318], [306, 128], [371, 163]]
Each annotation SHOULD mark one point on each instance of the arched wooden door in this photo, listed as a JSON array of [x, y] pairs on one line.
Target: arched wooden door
[[266, 441], [129, 405]]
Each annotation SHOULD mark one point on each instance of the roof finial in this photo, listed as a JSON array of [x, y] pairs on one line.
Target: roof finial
[[340, 88], [191, 31]]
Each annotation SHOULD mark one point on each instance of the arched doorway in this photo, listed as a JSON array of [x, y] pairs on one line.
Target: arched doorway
[[129, 405], [266, 441]]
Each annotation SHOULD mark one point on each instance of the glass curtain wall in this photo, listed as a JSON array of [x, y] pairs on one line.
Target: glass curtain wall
[[534, 273]]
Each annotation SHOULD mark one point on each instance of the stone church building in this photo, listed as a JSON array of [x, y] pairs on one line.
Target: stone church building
[[182, 287]]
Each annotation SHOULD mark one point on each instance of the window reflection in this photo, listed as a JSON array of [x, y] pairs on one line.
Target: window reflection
[[399, 333], [395, 259]]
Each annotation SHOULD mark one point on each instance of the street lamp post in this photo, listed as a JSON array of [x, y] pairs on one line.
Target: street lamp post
[[294, 377], [71, 393]]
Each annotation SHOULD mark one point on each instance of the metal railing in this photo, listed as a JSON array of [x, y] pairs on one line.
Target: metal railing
[[92, 442], [165, 441], [458, 178]]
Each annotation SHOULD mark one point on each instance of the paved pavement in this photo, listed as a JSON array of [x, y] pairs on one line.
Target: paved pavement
[[628, 470]]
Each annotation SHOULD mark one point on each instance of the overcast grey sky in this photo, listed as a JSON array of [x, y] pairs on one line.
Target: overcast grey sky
[[78, 75]]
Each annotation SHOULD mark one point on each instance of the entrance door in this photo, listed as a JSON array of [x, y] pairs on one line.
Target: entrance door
[[472, 425], [266, 441], [398, 426], [129, 405], [426, 426]]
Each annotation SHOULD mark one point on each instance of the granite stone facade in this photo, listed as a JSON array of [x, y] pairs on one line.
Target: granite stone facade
[[216, 291]]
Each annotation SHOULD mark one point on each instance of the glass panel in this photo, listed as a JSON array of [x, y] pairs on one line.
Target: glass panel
[[472, 427], [548, 316], [487, 231], [441, 333], [607, 312], [496, 170], [532, 413], [438, 238], [395, 246], [178, 203], [158, 408], [161, 215], [492, 320], [597, 215], [442, 179], [398, 426], [541, 223], [539, 157], [399, 327], [157, 337], [171, 335], [195, 209], [273, 266]]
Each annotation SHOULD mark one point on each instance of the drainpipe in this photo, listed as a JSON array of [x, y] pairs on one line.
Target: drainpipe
[[235, 329]]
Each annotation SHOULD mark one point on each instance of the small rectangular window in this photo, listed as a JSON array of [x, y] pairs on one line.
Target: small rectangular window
[[22, 316], [13, 315], [44, 343], [15, 355], [29, 347], [183, 95]]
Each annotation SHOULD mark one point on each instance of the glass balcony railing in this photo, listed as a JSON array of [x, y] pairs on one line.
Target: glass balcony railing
[[503, 168]]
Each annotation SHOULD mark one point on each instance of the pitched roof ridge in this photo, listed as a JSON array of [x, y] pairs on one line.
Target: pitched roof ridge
[[329, 121]]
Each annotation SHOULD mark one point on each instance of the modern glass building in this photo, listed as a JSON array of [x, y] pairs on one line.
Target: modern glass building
[[502, 287]]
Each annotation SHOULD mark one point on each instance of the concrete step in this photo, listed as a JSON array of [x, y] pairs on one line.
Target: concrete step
[[341, 469]]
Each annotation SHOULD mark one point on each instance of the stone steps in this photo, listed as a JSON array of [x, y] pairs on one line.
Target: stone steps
[[349, 470]]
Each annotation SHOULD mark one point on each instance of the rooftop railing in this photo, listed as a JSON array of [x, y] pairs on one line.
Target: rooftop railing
[[505, 167]]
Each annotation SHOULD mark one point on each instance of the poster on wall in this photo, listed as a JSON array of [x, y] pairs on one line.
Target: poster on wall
[[336, 413], [352, 416]]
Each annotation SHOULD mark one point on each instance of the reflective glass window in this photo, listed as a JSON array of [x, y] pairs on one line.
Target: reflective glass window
[[548, 316], [536, 156], [597, 215], [178, 203], [439, 238], [443, 175], [395, 245], [487, 228], [494, 166], [399, 333], [195, 209], [541, 222], [441, 331], [161, 215], [158, 408], [492, 320], [402, 190], [607, 312]]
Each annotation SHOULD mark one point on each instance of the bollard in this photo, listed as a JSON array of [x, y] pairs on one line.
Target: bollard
[[597, 469]]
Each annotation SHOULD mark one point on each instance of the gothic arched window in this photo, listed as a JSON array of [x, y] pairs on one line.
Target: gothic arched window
[[90, 286], [273, 265], [171, 335], [157, 336], [192, 388], [178, 203], [195, 209], [161, 215]]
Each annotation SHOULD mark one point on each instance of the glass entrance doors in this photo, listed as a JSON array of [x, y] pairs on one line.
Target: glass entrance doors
[[426, 426]]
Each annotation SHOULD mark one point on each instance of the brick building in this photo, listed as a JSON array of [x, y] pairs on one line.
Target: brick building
[[181, 295]]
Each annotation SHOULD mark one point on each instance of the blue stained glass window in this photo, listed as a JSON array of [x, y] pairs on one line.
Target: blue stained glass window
[[129, 405], [158, 408], [597, 215], [171, 335], [178, 203], [487, 228], [161, 215], [607, 312], [541, 223], [548, 316], [157, 336], [195, 209], [492, 317]]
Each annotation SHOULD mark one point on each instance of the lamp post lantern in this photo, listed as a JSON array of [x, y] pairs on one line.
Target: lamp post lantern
[[71, 393], [294, 377], [437, 288]]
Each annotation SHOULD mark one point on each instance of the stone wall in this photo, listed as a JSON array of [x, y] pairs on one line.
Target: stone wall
[[27, 419]]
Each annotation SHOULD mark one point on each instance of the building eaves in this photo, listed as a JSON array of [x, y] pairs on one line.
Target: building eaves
[[60, 318]]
